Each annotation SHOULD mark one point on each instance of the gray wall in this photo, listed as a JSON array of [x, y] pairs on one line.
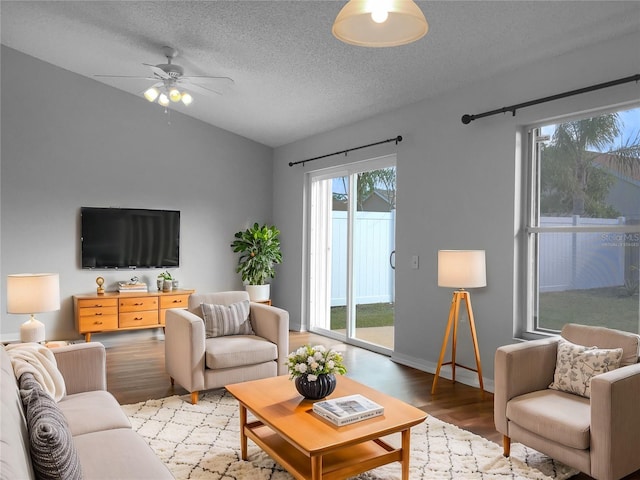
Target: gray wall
[[69, 141], [458, 188]]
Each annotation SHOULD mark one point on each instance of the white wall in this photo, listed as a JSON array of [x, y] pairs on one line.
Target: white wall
[[458, 188], [69, 141]]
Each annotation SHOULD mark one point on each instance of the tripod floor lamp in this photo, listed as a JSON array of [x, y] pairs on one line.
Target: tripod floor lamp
[[460, 269]]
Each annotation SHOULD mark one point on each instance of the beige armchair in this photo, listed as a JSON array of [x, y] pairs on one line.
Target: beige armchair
[[199, 363], [599, 436]]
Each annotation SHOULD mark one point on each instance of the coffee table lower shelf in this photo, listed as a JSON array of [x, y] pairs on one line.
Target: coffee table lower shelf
[[335, 465]]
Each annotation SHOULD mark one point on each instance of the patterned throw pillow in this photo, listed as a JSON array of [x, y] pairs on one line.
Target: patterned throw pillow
[[220, 320], [576, 365], [53, 453]]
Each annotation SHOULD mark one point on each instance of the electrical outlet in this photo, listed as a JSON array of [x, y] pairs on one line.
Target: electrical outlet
[[415, 261]]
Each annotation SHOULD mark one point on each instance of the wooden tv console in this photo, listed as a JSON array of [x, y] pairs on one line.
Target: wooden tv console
[[115, 311]]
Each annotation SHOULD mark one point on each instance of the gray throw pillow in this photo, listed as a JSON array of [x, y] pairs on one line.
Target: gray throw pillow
[[53, 454], [221, 320], [576, 365]]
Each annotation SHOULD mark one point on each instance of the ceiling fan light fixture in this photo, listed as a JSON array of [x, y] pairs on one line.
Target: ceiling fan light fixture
[[380, 23], [174, 94], [151, 94], [163, 100], [186, 99]]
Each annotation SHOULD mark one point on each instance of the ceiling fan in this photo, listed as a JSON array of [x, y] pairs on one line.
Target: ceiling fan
[[170, 79]]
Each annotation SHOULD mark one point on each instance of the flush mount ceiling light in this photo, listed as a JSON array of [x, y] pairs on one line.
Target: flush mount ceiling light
[[380, 23]]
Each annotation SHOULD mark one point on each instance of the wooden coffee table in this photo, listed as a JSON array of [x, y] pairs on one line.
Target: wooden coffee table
[[309, 447]]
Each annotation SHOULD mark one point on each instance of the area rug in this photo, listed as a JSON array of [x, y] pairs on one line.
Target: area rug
[[203, 442]]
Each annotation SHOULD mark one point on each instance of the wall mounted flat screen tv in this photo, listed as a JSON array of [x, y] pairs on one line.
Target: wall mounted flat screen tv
[[129, 238]]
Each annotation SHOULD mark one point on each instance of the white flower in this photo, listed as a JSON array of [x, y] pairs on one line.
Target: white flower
[[311, 377], [314, 361]]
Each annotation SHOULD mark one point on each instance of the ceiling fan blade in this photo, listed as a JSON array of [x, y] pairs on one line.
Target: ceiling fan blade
[[217, 80], [158, 71], [200, 89], [126, 76]]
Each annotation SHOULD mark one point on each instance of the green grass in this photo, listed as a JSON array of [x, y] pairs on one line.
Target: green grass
[[612, 307], [603, 306], [371, 315]]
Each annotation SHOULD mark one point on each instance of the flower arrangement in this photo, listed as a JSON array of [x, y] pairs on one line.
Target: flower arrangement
[[314, 361]]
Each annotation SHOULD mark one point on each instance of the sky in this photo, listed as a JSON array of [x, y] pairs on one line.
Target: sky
[[630, 120]]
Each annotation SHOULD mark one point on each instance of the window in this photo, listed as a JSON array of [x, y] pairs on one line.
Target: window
[[583, 228]]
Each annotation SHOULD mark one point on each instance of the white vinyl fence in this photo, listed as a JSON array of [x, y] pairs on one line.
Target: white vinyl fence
[[578, 261], [373, 243]]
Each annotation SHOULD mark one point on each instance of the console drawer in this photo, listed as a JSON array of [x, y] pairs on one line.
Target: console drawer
[[97, 303], [97, 311], [174, 301], [97, 323], [138, 304], [138, 319]]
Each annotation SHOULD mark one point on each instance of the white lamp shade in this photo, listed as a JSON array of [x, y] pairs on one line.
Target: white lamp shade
[[175, 95], [163, 100], [187, 99], [462, 268], [33, 293], [151, 94], [405, 23]]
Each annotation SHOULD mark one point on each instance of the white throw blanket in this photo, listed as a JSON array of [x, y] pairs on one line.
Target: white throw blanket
[[40, 361]]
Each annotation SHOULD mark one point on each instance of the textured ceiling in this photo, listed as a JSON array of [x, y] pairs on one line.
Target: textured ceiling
[[292, 78]]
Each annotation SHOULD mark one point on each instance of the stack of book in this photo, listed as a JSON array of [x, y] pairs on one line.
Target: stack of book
[[132, 287], [350, 409]]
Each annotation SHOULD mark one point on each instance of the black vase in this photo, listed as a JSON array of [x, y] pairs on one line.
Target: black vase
[[324, 385]]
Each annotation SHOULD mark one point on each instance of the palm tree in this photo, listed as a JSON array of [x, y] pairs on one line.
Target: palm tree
[[384, 180], [578, 143]]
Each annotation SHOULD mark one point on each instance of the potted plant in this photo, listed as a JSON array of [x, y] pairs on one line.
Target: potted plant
[[259, 249], [165, 281]]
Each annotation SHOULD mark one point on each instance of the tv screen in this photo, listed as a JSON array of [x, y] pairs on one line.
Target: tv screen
[[129, 238]]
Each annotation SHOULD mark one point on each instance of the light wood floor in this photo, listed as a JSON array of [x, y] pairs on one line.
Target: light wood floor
[[135, 372]]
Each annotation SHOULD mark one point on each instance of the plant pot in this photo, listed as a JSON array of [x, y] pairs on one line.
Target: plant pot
[[167, 286], [324, 385], [258, 293]]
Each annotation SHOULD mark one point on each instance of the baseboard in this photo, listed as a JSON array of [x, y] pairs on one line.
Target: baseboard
[[462, 375]]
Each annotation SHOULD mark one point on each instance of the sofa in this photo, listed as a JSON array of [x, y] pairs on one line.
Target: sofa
[[199, 359], [551, 396], [105, 445]]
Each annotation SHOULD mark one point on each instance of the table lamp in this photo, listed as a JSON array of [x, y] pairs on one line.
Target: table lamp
[[33, 293], [460, 269]]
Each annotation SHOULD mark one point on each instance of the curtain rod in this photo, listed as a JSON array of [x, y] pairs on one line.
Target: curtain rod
[[466, 119], [397, 139]]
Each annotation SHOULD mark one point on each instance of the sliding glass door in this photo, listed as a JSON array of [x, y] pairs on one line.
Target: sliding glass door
[[351, 253]]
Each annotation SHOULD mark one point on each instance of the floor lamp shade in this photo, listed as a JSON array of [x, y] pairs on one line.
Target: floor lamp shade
[[33, 293], [380, 23], [462, 268]]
